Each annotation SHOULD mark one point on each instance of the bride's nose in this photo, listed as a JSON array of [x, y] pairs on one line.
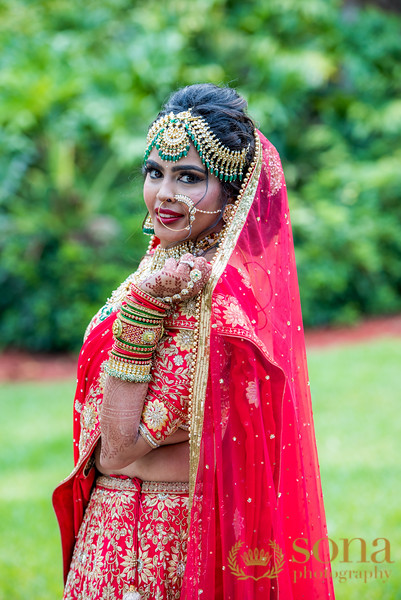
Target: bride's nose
[[166, 192]]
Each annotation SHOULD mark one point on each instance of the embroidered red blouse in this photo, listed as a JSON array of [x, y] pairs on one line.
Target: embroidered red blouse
[[166, 403]]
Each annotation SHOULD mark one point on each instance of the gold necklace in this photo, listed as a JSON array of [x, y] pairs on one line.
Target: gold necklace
[[160, 255]]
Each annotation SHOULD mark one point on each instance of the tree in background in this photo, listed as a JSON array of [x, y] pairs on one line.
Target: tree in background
[[79, 86], [390, 5]]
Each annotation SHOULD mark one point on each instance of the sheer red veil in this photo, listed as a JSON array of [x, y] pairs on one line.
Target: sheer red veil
[[254, 483]]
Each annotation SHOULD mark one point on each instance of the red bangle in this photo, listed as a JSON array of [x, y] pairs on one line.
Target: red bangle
[[147, 300], [130, 356]]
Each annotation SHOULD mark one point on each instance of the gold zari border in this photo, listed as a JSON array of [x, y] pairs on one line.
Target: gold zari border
[[145, 487]]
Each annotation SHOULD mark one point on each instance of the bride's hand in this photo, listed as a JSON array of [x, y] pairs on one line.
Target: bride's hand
[[185, 277]]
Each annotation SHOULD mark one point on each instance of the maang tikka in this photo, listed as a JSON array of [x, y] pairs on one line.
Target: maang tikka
[[173, 133]]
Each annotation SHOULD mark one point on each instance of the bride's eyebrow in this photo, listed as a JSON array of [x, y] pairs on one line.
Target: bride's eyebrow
[[155, 165], [188, 168]]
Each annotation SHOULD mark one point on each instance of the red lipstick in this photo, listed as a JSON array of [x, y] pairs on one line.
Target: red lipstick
[[168, 216]]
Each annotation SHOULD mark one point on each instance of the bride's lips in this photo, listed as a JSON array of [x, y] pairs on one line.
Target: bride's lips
[[168, 216]]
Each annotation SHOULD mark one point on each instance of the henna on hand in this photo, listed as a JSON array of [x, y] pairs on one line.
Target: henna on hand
[[174, 277]]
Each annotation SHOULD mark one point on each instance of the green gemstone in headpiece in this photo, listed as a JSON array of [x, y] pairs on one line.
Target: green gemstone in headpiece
[[172, 135]]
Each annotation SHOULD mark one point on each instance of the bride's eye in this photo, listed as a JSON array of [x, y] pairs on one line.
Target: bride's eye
[[189, 178], [152, 172]]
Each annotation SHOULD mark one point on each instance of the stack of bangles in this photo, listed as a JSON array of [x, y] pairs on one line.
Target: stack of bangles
[[136, 330]]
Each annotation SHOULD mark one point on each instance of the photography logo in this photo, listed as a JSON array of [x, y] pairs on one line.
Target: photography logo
[[270, 561]]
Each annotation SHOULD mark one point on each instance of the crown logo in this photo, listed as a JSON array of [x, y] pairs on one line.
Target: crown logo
[[272, 562], [256, 557]]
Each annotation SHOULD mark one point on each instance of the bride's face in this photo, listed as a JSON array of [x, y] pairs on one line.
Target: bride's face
[[188, 176]]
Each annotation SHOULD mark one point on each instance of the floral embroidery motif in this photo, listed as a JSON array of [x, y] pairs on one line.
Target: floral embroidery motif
[[155, 415], [234, 316], [184, 339], [228, 312], [102, 379], [246, 279], [188, 309], [90, 416], [251, 393], [238, 523], [274, 170]]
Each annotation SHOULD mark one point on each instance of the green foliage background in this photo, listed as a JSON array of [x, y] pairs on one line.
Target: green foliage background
[[81, 81]]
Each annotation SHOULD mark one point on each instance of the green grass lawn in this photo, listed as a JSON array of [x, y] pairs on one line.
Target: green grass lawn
[[356, 395]]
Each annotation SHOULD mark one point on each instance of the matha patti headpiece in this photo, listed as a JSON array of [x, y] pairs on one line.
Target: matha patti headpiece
[[172, 135]]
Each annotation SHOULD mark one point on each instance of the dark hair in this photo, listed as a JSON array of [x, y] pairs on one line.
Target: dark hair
[[224, 110]]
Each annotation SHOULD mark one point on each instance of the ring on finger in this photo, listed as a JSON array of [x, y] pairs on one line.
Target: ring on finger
[[195, 275], [188, 262]]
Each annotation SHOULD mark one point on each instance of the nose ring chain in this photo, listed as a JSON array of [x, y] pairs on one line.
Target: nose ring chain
[[193, 209]]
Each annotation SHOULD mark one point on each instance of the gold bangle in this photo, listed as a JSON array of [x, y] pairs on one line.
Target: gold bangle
[[128, 371]]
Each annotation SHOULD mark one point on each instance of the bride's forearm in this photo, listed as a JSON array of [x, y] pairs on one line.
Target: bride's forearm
[[120, 415]]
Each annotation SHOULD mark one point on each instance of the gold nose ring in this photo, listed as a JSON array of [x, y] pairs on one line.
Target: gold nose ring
[[193, 209], [176, 230]]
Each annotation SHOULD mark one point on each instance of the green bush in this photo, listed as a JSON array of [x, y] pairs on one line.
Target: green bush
[[81, 82]]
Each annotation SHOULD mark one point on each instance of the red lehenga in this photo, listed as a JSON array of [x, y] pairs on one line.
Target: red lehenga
[[254, 491]]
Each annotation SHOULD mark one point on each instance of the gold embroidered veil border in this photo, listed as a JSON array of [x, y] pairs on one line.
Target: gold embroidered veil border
[[203, 351]]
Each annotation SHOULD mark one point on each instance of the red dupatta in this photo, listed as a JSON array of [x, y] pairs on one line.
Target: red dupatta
[[254, 480]]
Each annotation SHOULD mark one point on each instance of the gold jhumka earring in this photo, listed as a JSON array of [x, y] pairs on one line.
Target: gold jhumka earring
[[147, 226], [228, 212]]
